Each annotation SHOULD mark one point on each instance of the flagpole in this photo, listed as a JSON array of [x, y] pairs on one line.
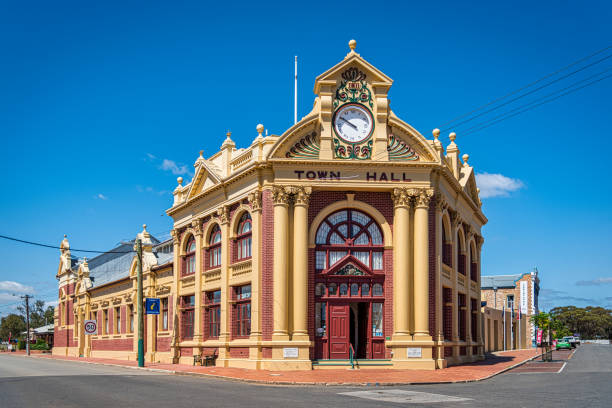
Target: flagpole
[[519, 329], [295, 94], [504, 313]]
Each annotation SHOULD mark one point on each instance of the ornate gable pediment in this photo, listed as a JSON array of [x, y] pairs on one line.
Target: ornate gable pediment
[[204, 178], [349, 266]]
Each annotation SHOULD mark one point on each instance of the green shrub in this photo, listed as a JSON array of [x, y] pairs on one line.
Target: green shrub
[[21, 345], [40, 345]]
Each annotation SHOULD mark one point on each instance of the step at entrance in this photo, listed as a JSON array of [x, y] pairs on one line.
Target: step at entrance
[[357, 364]]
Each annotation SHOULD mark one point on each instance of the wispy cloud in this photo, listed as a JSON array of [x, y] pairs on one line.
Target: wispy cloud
[[15, 287], [497, 185], [151, 156], [151, 190], [170, 165], [101, 196], [595, 282]]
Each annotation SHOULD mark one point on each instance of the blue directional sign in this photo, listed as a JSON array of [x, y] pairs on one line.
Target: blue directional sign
[[152, 306]]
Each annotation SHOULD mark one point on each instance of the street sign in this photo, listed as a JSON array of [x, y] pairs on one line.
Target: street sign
[[152, 306], [91, 327]]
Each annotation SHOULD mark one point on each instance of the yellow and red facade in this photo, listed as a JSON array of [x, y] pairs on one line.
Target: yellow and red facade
[[307, 249]]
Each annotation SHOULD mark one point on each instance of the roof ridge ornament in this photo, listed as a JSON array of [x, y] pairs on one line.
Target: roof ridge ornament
[[352, 45]]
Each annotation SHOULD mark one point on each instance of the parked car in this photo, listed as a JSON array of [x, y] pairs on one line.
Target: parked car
[[571, 340], [563, 344]]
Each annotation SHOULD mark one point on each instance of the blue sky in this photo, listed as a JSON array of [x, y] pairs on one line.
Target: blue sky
[[103, 105]]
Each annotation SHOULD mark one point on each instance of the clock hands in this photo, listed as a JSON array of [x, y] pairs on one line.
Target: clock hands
[[348, 123]]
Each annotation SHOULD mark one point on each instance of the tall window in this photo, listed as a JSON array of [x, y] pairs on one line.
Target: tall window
[[447, 253], [462, 316], [164, 314], [213, 313], [131, 317], [242, 311], [190, 260], [510, 302], [214, 250], [187, 306], [106, 323], [117, 320], [473, 265], [244, 236], [349, 232]]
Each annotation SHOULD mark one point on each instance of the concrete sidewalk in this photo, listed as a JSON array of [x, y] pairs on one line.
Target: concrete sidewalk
[[493, 365]]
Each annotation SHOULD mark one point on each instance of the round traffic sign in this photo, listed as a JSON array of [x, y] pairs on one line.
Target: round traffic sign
[[91, 327]]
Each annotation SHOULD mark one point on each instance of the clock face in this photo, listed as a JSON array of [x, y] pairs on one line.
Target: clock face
[[353, 123]]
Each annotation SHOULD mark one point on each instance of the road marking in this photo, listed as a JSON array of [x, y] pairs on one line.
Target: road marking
[[562, 367], [404, 397]]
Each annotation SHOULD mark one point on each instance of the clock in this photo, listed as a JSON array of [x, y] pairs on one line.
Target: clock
[[353, 123]]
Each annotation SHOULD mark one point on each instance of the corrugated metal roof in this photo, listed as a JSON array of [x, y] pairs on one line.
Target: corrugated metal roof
[[499, 281], [164, 258]]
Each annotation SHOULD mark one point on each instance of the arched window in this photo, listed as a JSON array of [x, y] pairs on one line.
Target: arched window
[[461, 258], [244, 239], [473, 264], [349, 232], [190, 262], [447, 251], [214, 247]]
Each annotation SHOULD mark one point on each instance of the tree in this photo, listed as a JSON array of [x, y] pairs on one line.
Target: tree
[[38, 315], [12, 324], [590, 322]]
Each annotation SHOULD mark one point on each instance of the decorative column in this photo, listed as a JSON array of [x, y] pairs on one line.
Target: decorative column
[[481, 328], [176, 267], [439, 242], [280, 198], [401, 263], [197, 319], [300, 263], [421, 263], [255, 200], [455, 221], [224, 330]]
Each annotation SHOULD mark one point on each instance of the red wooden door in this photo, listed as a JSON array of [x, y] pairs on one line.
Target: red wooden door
[[339, 332]]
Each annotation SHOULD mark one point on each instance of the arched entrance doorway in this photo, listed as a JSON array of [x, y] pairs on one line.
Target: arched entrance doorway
[[349, 287]]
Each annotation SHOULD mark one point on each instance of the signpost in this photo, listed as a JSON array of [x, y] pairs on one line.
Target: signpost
[[91, 327], [152, 306]]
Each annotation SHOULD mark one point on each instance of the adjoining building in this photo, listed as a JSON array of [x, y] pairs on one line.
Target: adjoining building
[[516, 296], [349, 235]]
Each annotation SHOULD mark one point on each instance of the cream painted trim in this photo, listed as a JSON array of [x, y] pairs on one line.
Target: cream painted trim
[[447, 226], [352, 204], [242, 208], [461, 239], [207, 230], [189, 231]]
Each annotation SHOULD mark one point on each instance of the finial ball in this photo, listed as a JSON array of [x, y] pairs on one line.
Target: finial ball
[[260, 128], [228, 134], [65, 236], [452, 136], [436, 133], [179, 180], [466, 157], [352, 45], [144, 226], [201, 153]]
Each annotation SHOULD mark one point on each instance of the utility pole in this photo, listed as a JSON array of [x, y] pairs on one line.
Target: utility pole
[[139, 301], [27, 302]]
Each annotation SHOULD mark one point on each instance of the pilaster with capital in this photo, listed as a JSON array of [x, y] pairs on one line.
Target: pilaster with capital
[[256, 206], [402, 202], [281, 201], [223, 215], [440, 205], [196, 225], [175, 298], [301, 199], [421, 263]]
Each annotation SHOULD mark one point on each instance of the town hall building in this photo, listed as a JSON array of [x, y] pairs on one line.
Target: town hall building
[[351, 236]]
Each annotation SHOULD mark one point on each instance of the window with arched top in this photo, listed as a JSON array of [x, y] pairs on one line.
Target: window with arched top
[[244, 236], [447, 249], [473, 264], [189, 260], [349, 232], [214, 247]]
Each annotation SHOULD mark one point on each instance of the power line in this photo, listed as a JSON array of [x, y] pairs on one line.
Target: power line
[[526, 86], [537, 100], [535, 106], [56, 247], [527, 93]]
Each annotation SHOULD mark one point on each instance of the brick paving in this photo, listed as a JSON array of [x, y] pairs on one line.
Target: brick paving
[[560, 357], [493, 365]]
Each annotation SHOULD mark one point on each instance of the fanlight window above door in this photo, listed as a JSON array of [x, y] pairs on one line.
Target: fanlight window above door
[[349, 232]]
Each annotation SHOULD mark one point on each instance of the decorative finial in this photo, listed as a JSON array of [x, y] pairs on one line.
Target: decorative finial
[[228, 134], [478, 190], [144, 227], [465, 158], [201, 153], [352, 45], [260, 129], [436, 133], [452, 136], [180, 181], [65, 236]]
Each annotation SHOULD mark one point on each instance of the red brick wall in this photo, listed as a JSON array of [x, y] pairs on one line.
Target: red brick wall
[[186, 351], [62, 337], [113, 344], [266, 265], [163, 343], [266, 352]]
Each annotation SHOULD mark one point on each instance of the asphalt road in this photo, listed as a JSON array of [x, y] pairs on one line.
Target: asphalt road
[[32, 382]]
